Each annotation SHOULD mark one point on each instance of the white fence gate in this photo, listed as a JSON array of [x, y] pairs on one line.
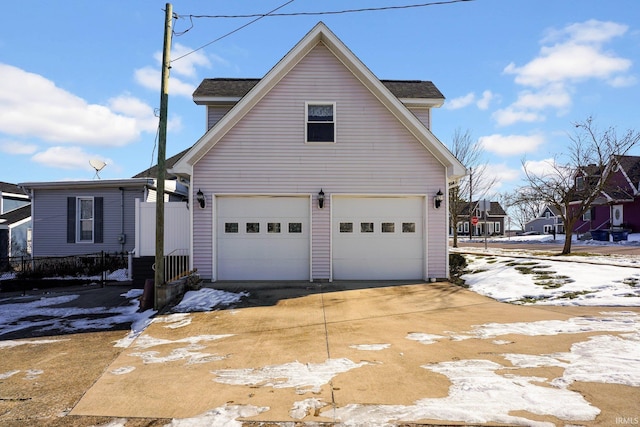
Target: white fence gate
[[176, 228]]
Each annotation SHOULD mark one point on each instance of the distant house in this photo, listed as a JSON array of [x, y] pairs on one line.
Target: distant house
[[618, 206], [82, 217], [319, 171], [546, 222], [494, 223], [15, 221]]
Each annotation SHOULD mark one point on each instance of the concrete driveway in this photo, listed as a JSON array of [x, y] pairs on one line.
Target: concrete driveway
[[345, 352]]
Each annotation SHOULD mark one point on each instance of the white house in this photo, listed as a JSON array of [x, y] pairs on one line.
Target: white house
[[319, 171]]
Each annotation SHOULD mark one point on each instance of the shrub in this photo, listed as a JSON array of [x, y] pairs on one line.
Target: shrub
[[457, 267]]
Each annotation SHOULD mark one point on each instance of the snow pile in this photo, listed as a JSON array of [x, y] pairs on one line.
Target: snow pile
[[206, 299]]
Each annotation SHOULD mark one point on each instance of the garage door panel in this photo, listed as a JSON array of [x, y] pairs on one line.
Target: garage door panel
[[378, 238], [263, 238]]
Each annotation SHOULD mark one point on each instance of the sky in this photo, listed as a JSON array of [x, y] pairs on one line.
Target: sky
[[80, 80]]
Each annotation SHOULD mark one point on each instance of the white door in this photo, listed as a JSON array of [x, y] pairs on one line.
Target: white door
[[263, 238], [379, 238], [616, 215]]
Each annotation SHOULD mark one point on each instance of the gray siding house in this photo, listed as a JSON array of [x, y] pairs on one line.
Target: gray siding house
[[83, 217], [318, 171], [546, 222]]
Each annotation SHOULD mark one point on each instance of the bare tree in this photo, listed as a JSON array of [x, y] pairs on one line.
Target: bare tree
[[469, 152], [522, 208], [575, 180]]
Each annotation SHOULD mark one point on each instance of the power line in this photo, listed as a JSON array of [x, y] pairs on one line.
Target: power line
[[259, 17], [336, 12], [271, 13]]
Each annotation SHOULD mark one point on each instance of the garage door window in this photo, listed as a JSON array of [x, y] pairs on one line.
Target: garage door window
[[408, 227], [253, 227], [366, 227], [388, 227], [295, 227], [273, 227], [230, 227], [346, 227]]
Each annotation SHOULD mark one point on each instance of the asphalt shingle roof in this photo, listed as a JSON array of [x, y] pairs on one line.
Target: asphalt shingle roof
[[237, 88]]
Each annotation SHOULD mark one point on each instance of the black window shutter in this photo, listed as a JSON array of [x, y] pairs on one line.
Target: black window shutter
[[593, 213], [98, 207], [71, 219]]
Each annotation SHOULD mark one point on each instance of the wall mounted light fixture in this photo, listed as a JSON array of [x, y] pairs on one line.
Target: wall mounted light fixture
[[201, 199], [321, 199], [438, 199]]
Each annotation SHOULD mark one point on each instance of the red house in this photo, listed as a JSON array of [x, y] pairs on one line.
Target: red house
[[618, 207]]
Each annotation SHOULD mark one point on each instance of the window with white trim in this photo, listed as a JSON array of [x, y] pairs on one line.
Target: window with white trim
[[320, 124], [85, 219]]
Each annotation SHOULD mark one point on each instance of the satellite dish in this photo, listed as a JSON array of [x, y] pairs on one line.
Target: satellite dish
[[98, 165]]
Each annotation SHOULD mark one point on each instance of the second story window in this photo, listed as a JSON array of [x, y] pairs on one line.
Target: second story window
[[320, 122], [579, 183]]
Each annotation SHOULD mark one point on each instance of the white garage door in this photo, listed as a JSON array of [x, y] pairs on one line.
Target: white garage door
[[378, 238], [263, 238]]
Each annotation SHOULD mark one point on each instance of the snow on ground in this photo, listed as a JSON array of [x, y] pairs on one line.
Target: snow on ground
[[550, 282]]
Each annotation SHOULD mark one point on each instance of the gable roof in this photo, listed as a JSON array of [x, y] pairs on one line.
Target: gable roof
[[230, 90], [6, 187], [16, 215], [320, 34], [495, 209]]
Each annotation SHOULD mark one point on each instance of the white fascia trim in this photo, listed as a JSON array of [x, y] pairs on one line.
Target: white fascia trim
[[216, 100], [422, 102]]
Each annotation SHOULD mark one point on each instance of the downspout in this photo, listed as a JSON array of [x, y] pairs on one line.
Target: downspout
[[121, 238]]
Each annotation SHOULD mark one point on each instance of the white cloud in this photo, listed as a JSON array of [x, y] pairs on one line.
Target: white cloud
[[17, 147], [33, 106], [487, 97], [186, 65], [182, 67], [508, 145], [568, 62], [66, 158], [470, 98], [510, 115], [460, 102], [569, 56], [545, 167], [151, 78]]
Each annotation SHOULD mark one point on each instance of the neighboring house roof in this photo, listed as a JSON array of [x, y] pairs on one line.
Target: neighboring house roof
[[320, 34], [152, 172], [495, 209], [6, 187], [96, 183], [232, 90], [16, 215]]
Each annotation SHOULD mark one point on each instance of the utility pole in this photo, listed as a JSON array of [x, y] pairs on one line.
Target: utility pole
[[471, 213], [159, 279]]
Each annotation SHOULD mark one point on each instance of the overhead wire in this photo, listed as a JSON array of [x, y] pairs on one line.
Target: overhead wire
[[337, 12], [259, 17], [272, 13]]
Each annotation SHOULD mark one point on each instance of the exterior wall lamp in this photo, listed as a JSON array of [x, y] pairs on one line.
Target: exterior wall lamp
[[438, 199], [321, 199], [201, 199]]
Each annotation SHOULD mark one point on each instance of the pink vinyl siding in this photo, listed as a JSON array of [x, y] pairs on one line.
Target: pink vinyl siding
[[266, 153], [215, 113]]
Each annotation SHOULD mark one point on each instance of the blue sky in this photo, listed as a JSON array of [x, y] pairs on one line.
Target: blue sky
[[80, 79]]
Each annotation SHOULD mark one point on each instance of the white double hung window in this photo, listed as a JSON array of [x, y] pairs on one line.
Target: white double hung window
[[320, 122], [85, 219]]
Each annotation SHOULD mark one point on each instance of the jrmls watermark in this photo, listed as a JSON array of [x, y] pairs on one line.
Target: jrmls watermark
[[628, 421]]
